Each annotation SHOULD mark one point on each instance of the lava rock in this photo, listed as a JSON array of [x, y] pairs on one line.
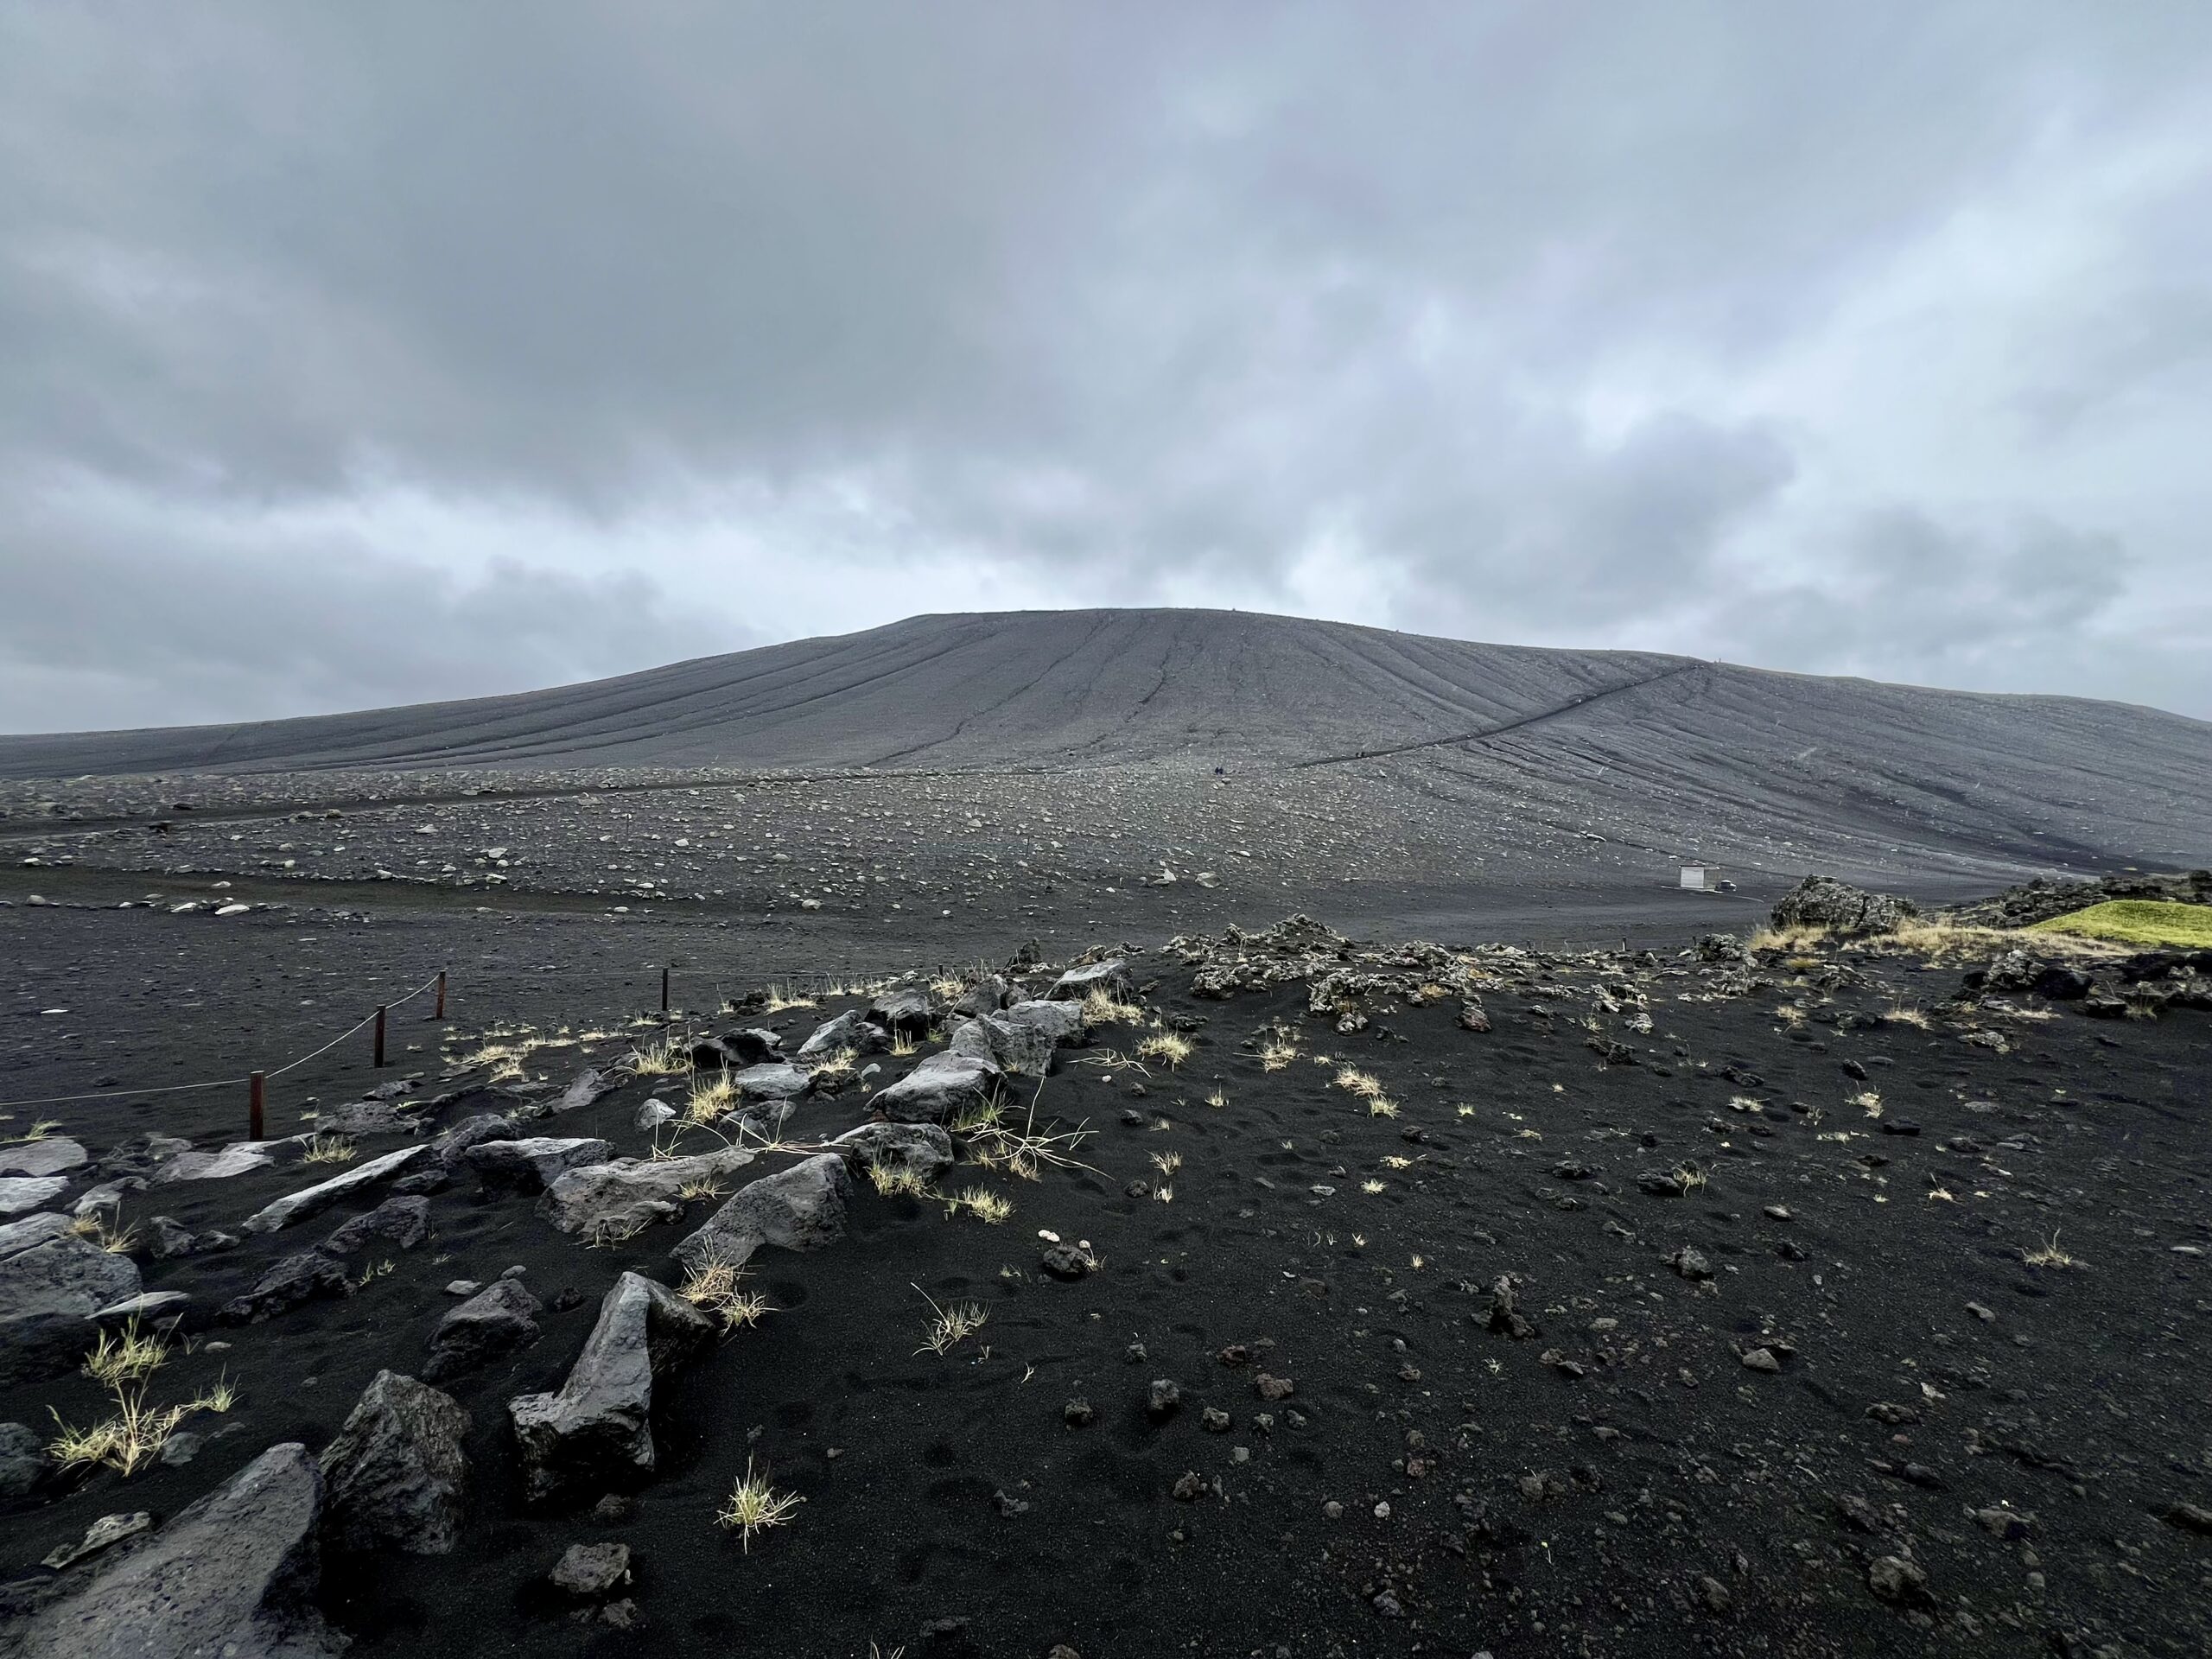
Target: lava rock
[[493, 1322], [597, 1431], [397, 1475], [234, 1574], [801, 1208], [403, 1223]]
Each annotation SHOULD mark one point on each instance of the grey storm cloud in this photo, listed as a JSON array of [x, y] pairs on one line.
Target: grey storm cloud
[[469, 348]]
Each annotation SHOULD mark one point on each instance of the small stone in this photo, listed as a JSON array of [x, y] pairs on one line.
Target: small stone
[[1333, 1510], [1388, 1605], [1190, 1487], [1065, 1263], [1761, 1359], [108, 1530], [1714, 1594], [1985, 1314], [1214, 1421], [1078, 1414], [1895, 1579], [1162, 1400], [2191, 1517], [1274, 1388], [592, 1569], [615, 1509]]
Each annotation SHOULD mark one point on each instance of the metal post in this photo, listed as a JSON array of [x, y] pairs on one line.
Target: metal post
[[254, 1130], [663, 990], [441, 1012], [380, 1007]]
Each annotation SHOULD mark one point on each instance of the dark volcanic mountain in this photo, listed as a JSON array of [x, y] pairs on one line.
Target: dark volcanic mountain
[[1628, 736]]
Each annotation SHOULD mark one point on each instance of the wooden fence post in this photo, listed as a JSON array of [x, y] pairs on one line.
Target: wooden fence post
[[254, 1127], [380, 1007]]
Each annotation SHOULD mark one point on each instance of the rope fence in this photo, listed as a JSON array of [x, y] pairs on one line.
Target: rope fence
[[253, 1081]]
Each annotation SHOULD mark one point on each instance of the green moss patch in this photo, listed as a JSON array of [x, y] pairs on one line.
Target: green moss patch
[[2137, 921]]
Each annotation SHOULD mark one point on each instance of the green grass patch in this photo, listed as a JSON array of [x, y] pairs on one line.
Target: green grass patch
[[2138, 921]]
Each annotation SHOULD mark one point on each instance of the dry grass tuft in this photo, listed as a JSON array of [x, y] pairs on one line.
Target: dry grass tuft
[[669, 1057], [717, 1289], [1102, 1008], [896, 1180], [136, 1431], [781, 999], [2047, 1254], [1168, 1047], [980, 1202], [712, 1099], [1353, 1081], [1217, 1100], [754, 1506], [1867, 1101], [950, 1324], [329, 1149]]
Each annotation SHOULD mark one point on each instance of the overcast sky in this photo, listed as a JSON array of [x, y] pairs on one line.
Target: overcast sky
[[354, 354]]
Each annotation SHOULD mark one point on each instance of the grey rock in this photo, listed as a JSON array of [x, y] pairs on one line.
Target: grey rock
[[23, 1463], [923, 1149], [597, 1431], [532, 1164], [234, 1575], [905, 1014], [1162, 1400], [987, 995], [48, 1293], [938, 1089], [314, 1200], [21, 1193], [801, 1208], [1065, 1263], [1761, 1359], [239, 1158], [371, 1118], [1111, 977], [147, 1306], [779, 1081], [849, 1030], [616, 1199], [589, 1088], [32, 1229], [592, 1569], [54, 1154], [104, 1533], [1690, 1264], [453, 1145], [165, 1239], [309, 1276], [493, 1322], [1019, 1048], [402, 1222], [396, 1475], [1893, 1578], [652, 1115], [1060, 1022]]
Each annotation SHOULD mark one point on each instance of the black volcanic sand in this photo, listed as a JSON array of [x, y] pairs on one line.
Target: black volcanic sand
[[1431, 1486]]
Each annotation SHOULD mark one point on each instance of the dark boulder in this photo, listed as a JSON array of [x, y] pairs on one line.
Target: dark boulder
[[396, 1475], [496, 1321], [597, 1431]]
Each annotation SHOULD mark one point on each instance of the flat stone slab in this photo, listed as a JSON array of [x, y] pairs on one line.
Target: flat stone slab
[[54, 1155], [21, 1193], [314, 1200], [239, 1158]]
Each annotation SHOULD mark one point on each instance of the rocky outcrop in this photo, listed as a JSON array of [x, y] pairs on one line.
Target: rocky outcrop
[[495, 1322], [314, 1200], [1823, 901], [49, 1290], [939, 1090], [396, 1476], [802, 1208], [595, 1434], [613, 1200], [2044, 898], [234, 1574]]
